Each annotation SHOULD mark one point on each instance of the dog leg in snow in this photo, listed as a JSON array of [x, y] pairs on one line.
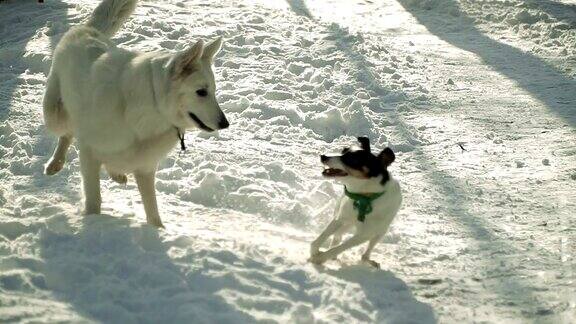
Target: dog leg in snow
[[337, 238], [334, 226], [145, 182], [58, 158], [90, 168], [371, 245], [321, 257]]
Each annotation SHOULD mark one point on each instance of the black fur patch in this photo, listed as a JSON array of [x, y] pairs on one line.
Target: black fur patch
[[363, 160], [364, 143]]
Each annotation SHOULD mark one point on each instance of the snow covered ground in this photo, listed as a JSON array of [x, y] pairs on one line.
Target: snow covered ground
[[477, 97]]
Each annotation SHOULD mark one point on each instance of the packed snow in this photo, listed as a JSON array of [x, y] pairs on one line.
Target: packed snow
[[476, 97]]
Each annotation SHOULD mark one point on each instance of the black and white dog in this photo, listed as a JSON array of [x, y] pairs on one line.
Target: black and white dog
[[371, 200]]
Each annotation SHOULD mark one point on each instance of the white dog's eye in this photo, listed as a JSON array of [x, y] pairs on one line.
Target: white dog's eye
[[202, 92]]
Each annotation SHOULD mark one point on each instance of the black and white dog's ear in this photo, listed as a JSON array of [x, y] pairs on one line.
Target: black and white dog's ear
[[364, 143], [386, 157], [212, 49], [184, 62]]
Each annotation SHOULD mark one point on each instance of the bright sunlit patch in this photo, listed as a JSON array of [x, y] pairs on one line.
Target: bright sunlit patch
[[384, 16], [269, 4]]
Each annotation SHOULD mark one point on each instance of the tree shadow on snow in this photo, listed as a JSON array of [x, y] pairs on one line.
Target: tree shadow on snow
[[561, 11], [389, 295], [531, 73], [300, 8], [19, 22], [496, 251], [344, 42], [361, 72], [114, 272], [451, 188]]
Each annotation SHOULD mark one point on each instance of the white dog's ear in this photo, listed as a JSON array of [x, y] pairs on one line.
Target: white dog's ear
[[212, 49], [184, 63]]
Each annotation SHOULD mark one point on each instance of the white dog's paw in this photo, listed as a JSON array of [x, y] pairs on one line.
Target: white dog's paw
[[53, 166], [119, 178]]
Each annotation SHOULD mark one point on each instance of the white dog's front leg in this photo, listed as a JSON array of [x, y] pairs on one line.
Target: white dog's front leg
[[333, 252], [90, 169], [330, 229], [145, 181]]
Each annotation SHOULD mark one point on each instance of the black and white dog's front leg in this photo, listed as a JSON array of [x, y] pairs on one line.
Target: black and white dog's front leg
[[322, 257], [334, 226], [371, 245]]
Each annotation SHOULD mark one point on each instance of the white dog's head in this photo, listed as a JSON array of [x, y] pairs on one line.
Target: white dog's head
[[191, 102]]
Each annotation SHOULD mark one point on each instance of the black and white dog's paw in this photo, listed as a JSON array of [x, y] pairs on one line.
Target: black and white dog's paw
[[371, 263], [318, 258]]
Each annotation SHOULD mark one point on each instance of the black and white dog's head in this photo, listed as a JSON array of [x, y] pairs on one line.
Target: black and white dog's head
[[354, 163]]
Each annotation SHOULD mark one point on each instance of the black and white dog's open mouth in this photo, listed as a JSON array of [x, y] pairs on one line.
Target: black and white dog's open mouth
[[200, 123], [332, 172]]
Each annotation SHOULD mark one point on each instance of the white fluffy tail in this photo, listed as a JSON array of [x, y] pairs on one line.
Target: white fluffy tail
[[109, 16], [55, 116]]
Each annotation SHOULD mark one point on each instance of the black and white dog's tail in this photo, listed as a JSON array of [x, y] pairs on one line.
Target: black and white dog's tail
[[109, 16]]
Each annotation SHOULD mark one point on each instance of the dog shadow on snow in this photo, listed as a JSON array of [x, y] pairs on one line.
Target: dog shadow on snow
[[114, 271], [388, 294]]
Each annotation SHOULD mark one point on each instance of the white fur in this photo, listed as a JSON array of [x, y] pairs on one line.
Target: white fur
[[371, 230], [123, 107]]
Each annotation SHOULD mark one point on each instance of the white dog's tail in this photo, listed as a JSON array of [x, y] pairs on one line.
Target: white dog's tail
[[109, 16], [55, 116]]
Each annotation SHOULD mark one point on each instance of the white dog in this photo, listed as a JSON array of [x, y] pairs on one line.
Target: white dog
[[370, 202], [127, 110]]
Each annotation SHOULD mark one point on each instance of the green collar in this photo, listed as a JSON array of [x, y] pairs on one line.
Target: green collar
[[363, 202]]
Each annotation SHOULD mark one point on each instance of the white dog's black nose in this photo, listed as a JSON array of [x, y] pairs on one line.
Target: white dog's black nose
[[323, 158], [223, 123]]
